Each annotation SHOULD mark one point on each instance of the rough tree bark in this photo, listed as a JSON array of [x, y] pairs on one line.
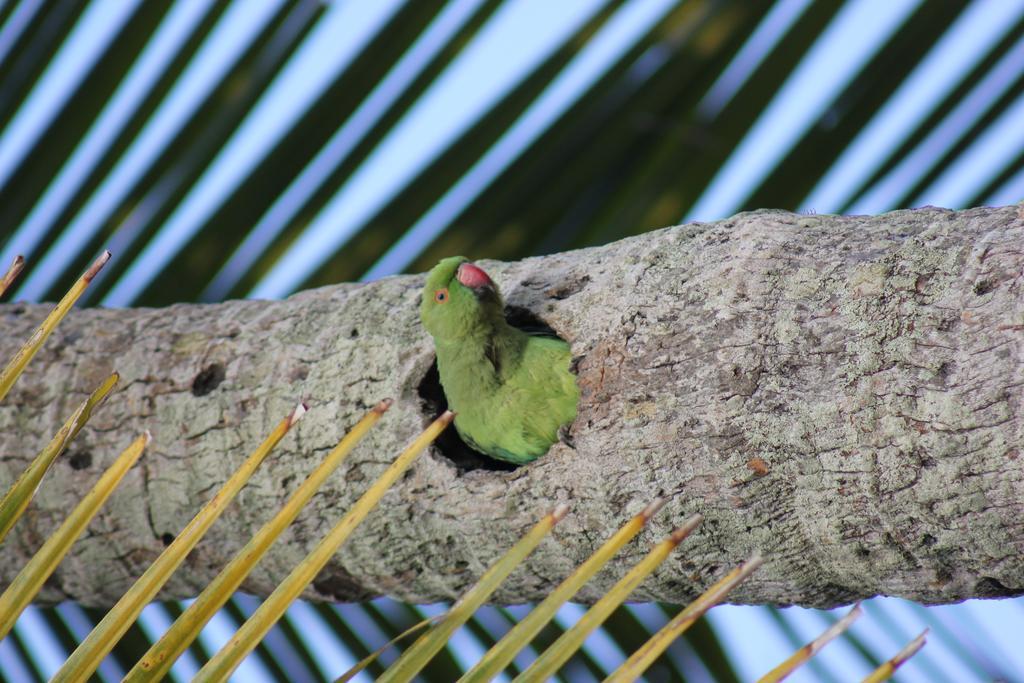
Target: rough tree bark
[[842, 394]]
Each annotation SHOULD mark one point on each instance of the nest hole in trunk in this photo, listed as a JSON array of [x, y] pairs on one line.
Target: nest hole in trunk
[[450, 444]]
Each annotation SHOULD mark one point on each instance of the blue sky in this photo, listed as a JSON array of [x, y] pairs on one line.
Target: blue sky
[[516, 37]]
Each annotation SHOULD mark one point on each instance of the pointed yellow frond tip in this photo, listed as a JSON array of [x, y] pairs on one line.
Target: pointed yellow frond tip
[[155, 664], [297, 414], [31, 578], [96, 266], [646, 654], [87, 657], [21, 492], [29, 349], [499, 656], [12, 274], [887, 669], [569, 642], [653, 508], [686, 529], [810, 649], [253, 630]]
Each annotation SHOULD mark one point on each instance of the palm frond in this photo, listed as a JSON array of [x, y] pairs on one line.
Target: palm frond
[[212, 144]]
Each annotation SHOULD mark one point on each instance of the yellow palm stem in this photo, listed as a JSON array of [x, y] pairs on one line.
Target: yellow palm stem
[[253, 630], [640, 660], [805, 653], [504, 651], [887, 669], [12, 274], [426, 646], [158, 660], [21, 492], [31, 578], [87, 657], [25, 354], [562, 649]]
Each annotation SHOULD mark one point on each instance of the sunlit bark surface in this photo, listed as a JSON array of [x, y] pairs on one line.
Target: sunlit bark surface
[[841, 394]]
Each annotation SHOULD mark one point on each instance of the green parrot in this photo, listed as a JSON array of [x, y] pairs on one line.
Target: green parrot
[[511, 391]]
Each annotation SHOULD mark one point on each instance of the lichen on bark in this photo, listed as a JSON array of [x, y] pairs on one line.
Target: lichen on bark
[[841, 394]]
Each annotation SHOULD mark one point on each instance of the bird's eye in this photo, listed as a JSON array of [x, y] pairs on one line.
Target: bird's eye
[[441, 295]]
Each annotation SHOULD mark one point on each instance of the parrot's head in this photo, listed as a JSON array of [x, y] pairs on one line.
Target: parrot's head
[[460, 300]]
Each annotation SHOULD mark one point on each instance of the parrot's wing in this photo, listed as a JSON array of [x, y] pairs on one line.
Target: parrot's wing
[[494, 452], [509, 456]]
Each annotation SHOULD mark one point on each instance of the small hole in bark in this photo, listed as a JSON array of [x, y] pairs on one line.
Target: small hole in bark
[[80, 460], [208, 380], [568, 287], [450, 444], [354, 333], [524, 319], [983, 287], [928, 540], [338, 584], [167, 538], [988, 587]]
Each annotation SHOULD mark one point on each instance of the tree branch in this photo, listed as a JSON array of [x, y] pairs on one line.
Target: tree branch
[[842, 394]]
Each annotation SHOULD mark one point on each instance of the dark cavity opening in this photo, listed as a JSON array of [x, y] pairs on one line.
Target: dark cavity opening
[[982, 287], [450, 444], [988, 587], [524, 319], [80, 460], [208, 380], [167, 538]]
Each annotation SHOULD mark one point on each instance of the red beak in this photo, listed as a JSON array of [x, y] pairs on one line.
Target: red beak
[[473, 277]]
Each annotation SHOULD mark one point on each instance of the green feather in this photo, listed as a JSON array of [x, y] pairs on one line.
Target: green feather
[[511, 391]]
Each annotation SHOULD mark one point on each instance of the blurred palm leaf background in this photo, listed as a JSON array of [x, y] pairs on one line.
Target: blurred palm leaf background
[[258, 147]]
